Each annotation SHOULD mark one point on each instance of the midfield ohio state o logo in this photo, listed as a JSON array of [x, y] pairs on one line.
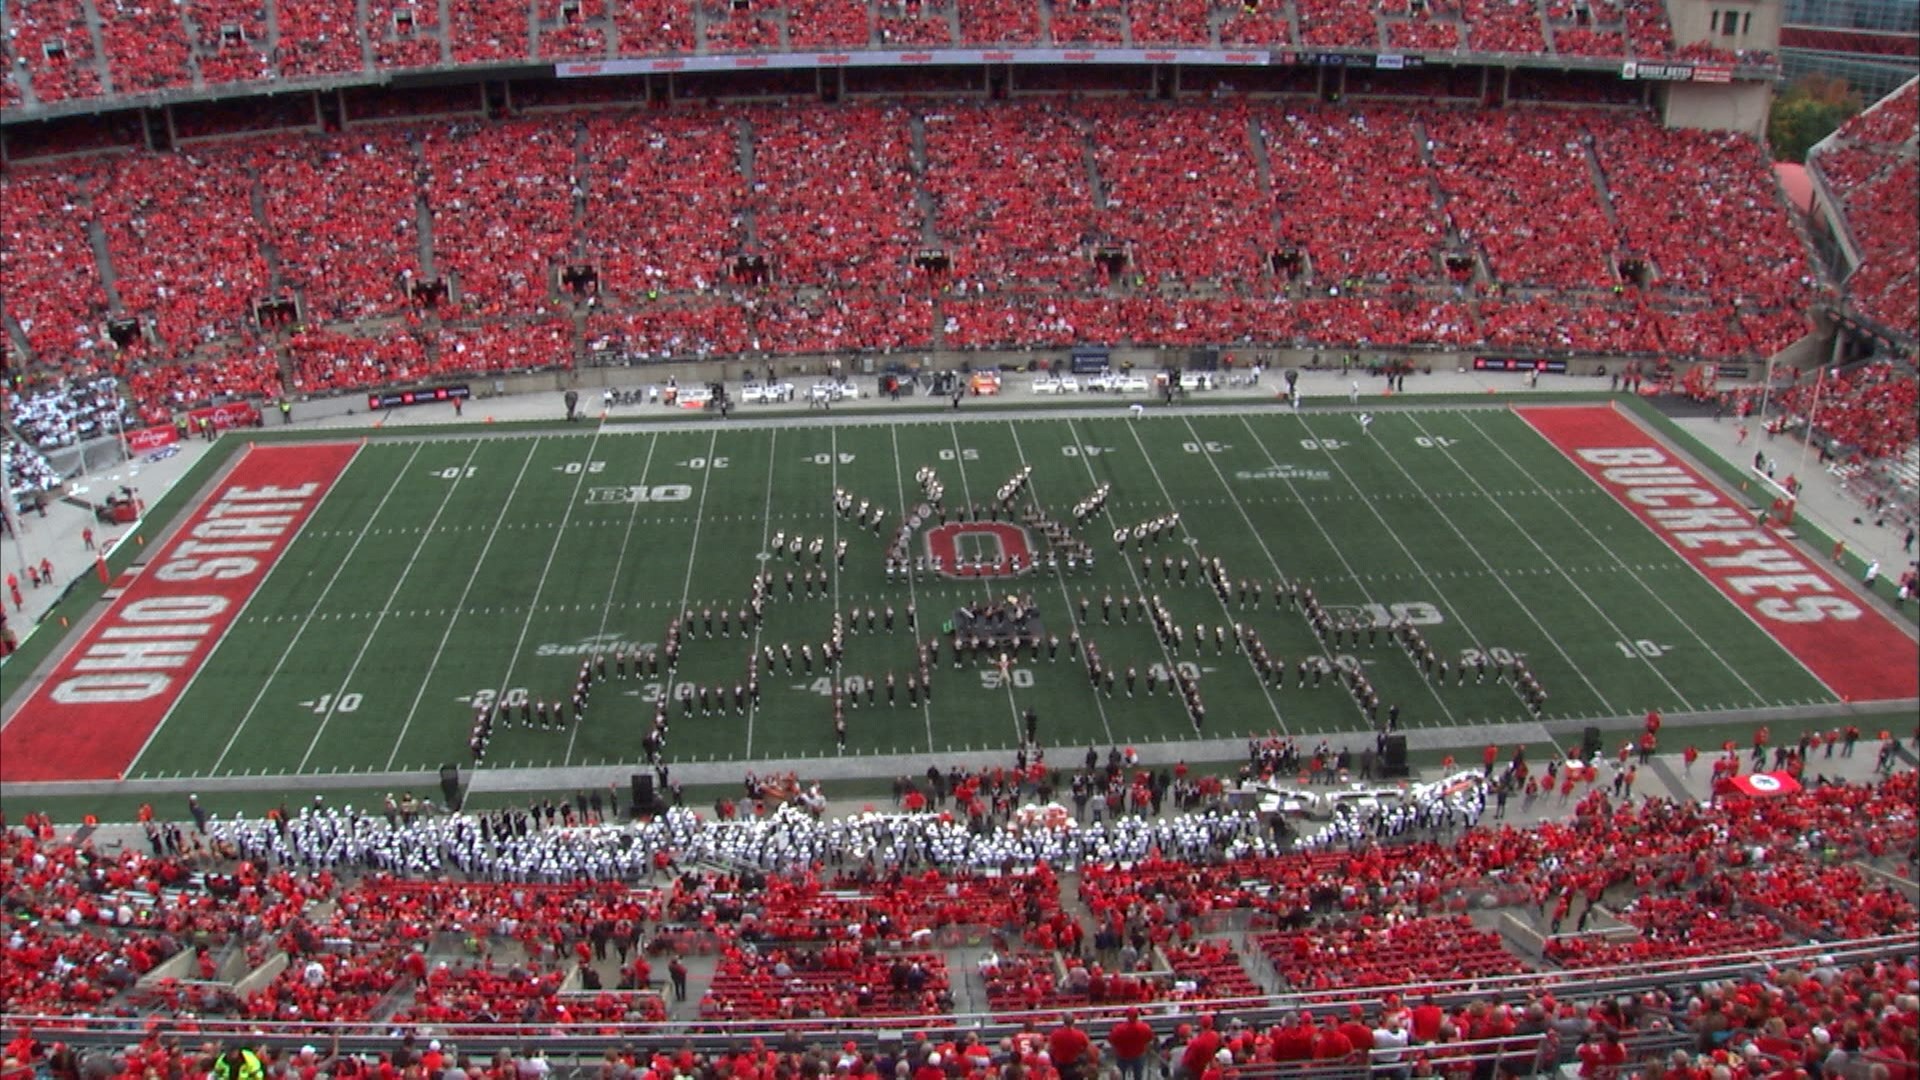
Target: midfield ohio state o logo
[[974, 549]]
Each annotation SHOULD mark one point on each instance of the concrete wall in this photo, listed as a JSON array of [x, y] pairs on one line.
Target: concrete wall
[[258, 979], [1811, 351], [1728, 24], [1737, 106], [179, 966], [804, 370]]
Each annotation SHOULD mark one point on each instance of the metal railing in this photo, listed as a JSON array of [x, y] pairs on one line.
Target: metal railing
[[594, 1038]]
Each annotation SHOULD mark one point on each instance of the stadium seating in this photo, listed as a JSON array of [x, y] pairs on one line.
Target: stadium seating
[[53, 45], [1870, 411], [324, 361], [572, 32], [342, 213], [1033, 220], [319, 37], [882, 228], [1704, 209], [1364, 952], [179, 218], [795, 983], [844, 224], [66, 412], [1352, 196], [51, 282], [1180, 191], [230, 40], [1872, 167], [25, 470], [1519, 187], [240, 370], [152, 47], [662, 197], [1693, 882], [502, 214]]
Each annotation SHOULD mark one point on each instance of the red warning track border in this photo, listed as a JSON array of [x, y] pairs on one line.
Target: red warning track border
[[1857, 651], [92, 717]]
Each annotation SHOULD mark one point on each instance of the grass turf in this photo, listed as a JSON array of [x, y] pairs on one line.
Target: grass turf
[[442, 569]]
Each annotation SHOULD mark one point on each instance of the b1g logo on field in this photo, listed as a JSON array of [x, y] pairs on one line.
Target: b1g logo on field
[[1413, 613], [980, 549], [639, 493]]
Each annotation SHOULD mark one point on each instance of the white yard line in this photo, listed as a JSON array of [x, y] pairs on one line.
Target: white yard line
[[1059, 578], [613, 579], [905, 510], [760, 567], [833, 534], [1617, 562], [1598, 546], [693, 554], [337, 572], [1141, 589], [367, 642], [1334, 460], [1194, 542], [1333, 546], [454, 620], [959, 462]]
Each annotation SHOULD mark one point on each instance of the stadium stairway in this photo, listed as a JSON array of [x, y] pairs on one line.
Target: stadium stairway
[[1263, 171], [749, 216], [423, 218], [103, 258], [922, 198]]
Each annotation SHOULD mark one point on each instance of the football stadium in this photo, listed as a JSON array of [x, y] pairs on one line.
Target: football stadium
[[955, 539]]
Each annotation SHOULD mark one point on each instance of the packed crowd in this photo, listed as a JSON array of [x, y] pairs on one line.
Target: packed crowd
[[151, 47], [1817, 1017], [782, 229], [503, 918], [67, 412], [26, 470], [1873, 167], [1864, 413]]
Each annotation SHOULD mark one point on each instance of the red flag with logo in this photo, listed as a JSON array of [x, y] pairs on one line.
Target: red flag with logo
[[1761, 785]]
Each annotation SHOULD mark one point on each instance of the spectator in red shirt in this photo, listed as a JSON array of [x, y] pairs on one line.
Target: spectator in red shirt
[[1131, 1038], [1358, 1032], [1070, 1050], [1427, 1018], [1293, 1041], [1198, 1055]]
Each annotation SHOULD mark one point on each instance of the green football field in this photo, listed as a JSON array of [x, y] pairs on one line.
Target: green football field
[[443, 572]]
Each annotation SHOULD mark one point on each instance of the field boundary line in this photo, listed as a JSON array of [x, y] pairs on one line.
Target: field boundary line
[[365, 529], [454, 619], [1226, 612], [1619, 563], [1352, 574], [1504, 587], [1711, 480]]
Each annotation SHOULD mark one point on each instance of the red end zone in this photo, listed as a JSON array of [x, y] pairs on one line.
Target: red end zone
[[1858, 652], [96, 712]]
